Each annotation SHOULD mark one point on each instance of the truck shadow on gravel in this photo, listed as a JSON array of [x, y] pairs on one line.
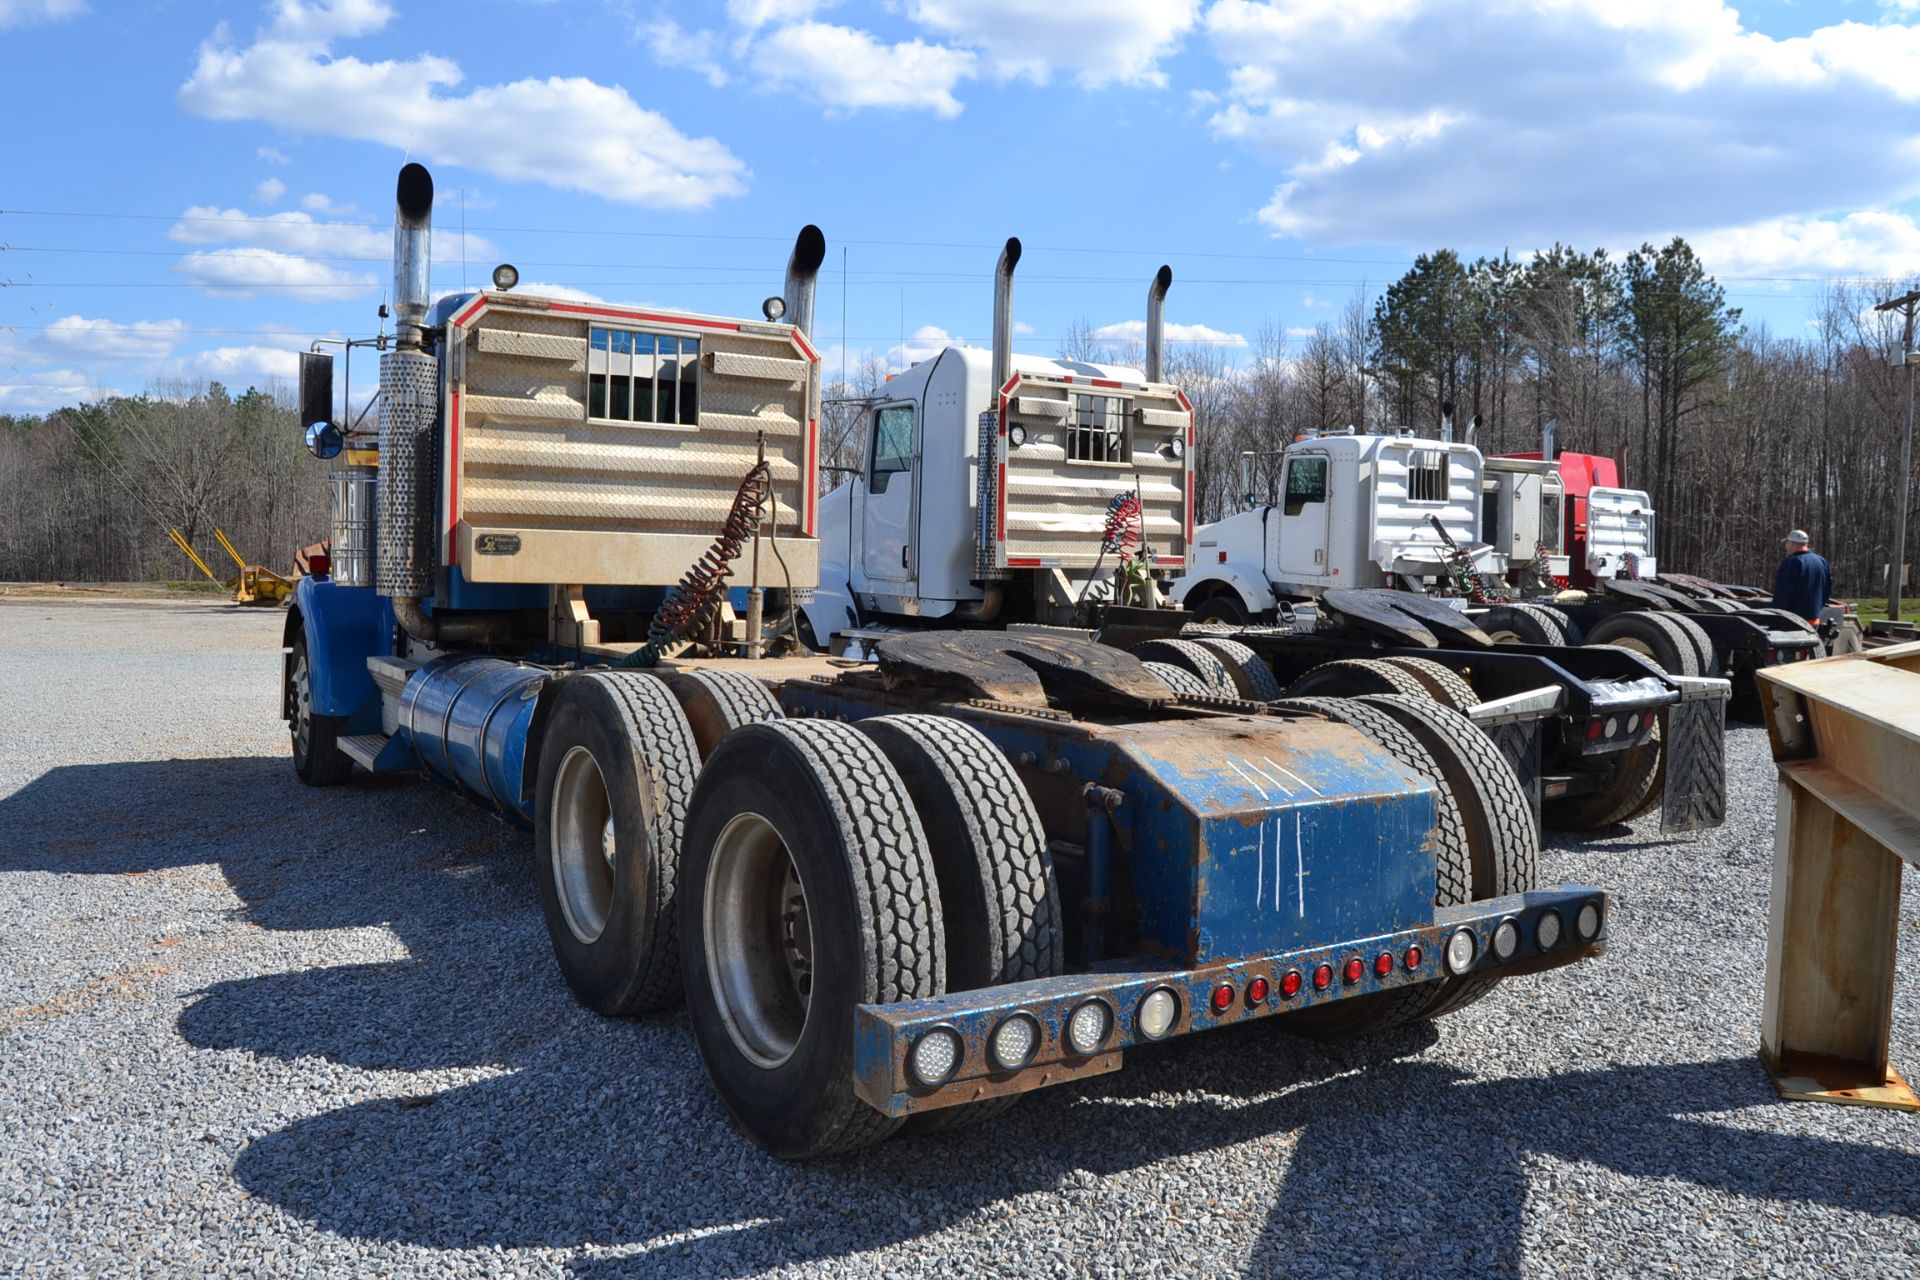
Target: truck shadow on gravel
[[602, 1139]]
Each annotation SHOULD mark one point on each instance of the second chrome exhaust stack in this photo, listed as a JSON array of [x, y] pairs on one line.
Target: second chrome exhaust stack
[[1156, 323]]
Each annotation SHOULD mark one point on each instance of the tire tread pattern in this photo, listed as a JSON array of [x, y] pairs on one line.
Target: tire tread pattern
[[893, 880], [1443, 684], [1009, 845], [1193, 657], [1253, 678], [668, 762]]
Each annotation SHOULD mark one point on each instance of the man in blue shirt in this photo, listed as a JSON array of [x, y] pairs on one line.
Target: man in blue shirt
[[1804, 580]]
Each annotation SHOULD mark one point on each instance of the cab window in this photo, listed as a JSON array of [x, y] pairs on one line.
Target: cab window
[[892, 444], [1306, 482]]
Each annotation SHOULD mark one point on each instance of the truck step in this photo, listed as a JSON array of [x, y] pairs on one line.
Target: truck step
[[364, 749]]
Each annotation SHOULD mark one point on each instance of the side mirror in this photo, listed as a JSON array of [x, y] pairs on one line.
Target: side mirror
[[324, 440], [316, 391]]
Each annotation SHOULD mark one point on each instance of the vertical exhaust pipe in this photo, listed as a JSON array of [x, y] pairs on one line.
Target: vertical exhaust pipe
[[1156, 323], [1546, 438], [1003, 313], [1473, 428], [803, 268], [412, 254], [1446, 422]]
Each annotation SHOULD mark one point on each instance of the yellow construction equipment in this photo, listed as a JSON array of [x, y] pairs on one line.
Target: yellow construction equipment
[[256, 584]]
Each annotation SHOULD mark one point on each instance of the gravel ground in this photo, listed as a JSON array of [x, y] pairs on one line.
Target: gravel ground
[[252, 1029]]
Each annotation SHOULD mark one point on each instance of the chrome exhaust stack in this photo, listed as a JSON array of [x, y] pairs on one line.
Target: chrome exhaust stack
[[1003, 312], [1156, 323], [1446, 422], [803, 269], [1546, 438], [409, 411], [412, 255]]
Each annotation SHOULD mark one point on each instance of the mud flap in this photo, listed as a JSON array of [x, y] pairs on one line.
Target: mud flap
[[1693, 761]]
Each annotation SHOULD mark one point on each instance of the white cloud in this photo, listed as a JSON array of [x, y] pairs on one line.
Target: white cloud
[[239, 367], [1493, 122], [301, 234], [672, 45], [244, 272], [27, 391], [567, 132], [315, 202], [31, 13], [927, 341], [751, 15], [1136, 331], [1098, 41], [845, 68], [78, 358], [1022, 328], [274, 155], [77, 338], [1870, 242], [269, 192]]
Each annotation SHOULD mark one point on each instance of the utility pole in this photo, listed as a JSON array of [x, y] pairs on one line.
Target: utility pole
[[1904, 304]]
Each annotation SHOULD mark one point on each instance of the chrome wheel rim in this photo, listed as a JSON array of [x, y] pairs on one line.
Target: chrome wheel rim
[[580, 834], [759, 940], [302, 707]]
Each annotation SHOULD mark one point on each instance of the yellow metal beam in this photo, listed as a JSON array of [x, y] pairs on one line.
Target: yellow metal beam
[[192, 555]]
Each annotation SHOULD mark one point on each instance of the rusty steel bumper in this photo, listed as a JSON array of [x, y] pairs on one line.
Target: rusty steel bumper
[[884, 1034]]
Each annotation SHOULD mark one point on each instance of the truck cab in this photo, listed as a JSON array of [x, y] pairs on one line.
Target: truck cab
[[1604, 531], [1354, 511], [999, 488]]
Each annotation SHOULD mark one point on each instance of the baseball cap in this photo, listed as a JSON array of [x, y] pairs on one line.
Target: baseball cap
[[1796, 535]]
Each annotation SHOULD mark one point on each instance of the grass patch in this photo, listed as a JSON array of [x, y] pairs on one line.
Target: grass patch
[[1873, 608]]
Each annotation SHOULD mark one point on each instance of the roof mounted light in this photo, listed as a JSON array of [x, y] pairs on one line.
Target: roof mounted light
[[773, 308], [505, 276]]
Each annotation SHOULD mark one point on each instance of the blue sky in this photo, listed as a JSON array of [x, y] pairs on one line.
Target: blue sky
[[195, 190]]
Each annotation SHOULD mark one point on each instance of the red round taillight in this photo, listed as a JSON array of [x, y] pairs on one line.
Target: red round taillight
[[1594, 729], [1323, 977], [1290, 983], [1354, 970], [1223, 997], [1413, 958], [1383, 963], [1257, 991]]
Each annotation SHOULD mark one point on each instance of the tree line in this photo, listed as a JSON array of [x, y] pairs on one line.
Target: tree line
[[88, 493], [1737, 433]]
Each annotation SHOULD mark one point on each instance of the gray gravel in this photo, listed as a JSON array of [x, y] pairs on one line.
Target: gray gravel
[[252, 1029]]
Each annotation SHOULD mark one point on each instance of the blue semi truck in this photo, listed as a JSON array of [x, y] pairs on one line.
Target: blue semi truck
[[894, 893]]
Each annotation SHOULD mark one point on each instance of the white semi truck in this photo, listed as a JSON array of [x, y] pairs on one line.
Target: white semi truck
[[990, 482]]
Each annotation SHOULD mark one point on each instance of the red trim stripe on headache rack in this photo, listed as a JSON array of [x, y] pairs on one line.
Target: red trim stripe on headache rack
[[453, 473]]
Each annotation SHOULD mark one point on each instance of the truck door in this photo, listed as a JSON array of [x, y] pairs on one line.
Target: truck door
[[1303, 517], [887, 517]]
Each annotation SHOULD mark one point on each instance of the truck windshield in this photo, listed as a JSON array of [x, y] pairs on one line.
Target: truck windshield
[[1306, 482]]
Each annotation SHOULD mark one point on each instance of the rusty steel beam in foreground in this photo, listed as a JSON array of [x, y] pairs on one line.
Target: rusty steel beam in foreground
[[1846, 735]]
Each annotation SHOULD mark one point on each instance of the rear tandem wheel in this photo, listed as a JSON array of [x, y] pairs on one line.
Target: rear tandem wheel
[[811, 891], [999, 903], [616, 773]]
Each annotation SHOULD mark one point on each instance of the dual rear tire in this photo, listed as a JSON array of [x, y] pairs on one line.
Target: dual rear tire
[[812, 868]]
